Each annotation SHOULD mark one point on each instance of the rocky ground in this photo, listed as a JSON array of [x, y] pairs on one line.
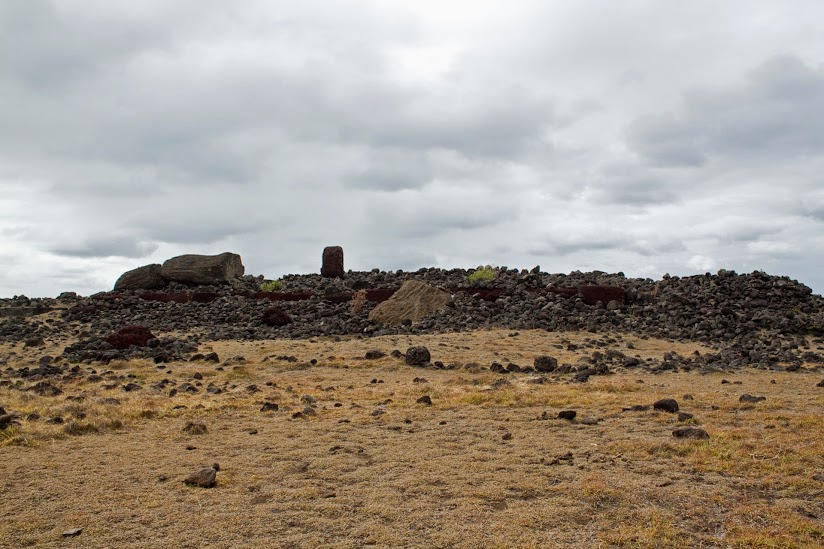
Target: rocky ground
[[750, 320], [527, 412]]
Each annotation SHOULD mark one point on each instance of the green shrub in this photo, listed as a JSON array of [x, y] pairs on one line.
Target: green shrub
[[271, 286], [481, 274]]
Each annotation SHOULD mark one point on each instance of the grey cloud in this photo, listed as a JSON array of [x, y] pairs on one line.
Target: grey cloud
[[46, 45], [391, 170], [118, 246], [635, 192], [437, 210], [774, 114], [565, 246]]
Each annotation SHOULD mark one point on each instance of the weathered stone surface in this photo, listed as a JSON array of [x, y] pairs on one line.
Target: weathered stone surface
[[669, 405], [690, 432], [130, 335], [545, 363], [415, 356], [332, 262], [414, 301], [273, 316], [147, 277], [205, 478], [203, 270], [593, 294]]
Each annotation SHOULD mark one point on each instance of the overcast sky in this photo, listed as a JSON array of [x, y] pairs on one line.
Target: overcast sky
[[637, 136]]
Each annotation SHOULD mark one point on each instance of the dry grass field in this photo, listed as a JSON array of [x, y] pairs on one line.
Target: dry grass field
[[487, 464]]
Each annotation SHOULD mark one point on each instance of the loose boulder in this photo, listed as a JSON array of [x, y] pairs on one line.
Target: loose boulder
[[545, 363], [148, 277], [690, 432], [130, 335], [332, 262], [417, 356], [203, 270], [666, 405], [274, 316], [413, 301]]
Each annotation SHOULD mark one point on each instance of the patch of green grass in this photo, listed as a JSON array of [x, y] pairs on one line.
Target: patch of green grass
[[482, 274], [271, 286]]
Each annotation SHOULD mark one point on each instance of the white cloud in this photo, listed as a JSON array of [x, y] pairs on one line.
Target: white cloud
[[640, 138]]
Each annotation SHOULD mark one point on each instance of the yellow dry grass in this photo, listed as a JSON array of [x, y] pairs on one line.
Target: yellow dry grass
[[478, 468]]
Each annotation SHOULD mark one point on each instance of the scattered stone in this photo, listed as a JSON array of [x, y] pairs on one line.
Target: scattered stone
[[374, 354], [269, 407], [558, 460], [417, 356], [666, 405], [309, 411], [205, 478], [139, 336], [751, 399], [690, 432], [684, 416], [820, 383], [193, 428], [545, 363], [567, 414], [34, 342], [425, 400], [44, 388], [274, 316], [507, 436], [73, 533], [6, 420], [636, 408]]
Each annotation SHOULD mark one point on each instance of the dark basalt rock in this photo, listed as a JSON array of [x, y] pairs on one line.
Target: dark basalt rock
[[417, 356], [148, 277], [130, 335], [332, 266], [750, 321], [690, 432], [177, 297], [751, 399], [203, 270], [593, 294], [669, 405], [205, 478], [545, 363], [274, 316]]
